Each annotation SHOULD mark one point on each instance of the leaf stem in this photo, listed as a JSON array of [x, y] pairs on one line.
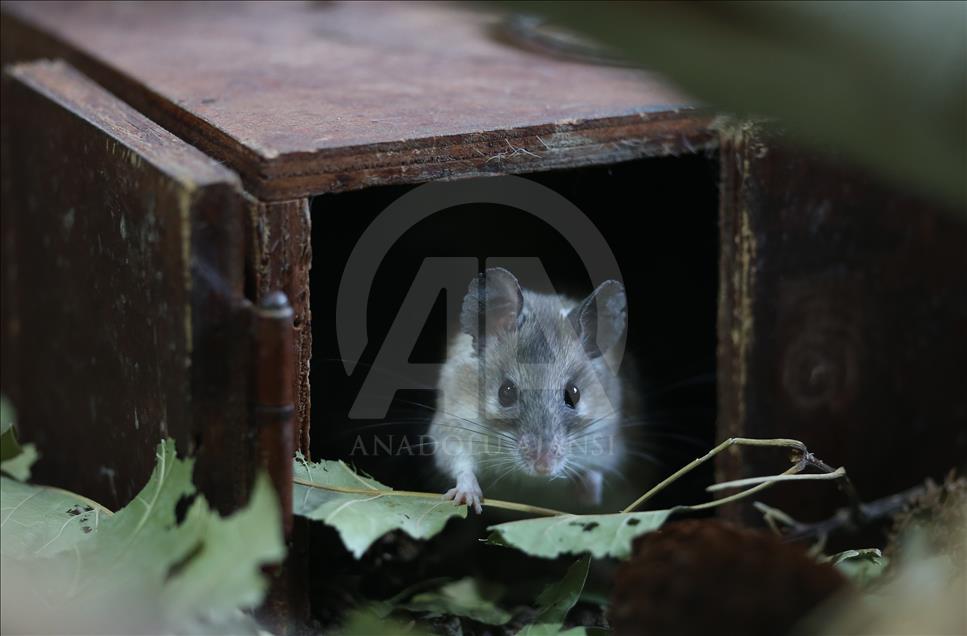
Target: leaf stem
[[490, 503]]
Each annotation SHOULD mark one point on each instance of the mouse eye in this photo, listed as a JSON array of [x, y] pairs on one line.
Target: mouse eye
[[571, 395], [507, 393]]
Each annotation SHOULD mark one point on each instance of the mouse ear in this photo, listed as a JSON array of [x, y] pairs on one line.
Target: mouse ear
[[600, 319], [493, 304]]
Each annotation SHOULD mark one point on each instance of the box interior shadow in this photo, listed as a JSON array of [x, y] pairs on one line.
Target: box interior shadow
[[659, 218]]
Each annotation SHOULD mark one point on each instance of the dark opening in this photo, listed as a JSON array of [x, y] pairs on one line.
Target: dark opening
[[659, 217]]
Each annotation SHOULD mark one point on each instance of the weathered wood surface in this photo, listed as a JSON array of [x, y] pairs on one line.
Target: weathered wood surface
[[313, 97], [127, 273], [280, 258], [842, 322]]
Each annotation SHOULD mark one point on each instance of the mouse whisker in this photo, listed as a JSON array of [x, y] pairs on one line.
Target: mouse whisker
[[482, 428], [587, 425], [648, 456], [679, 447], [657, 447], [431, 442], [606, 471], [655, 423], [454, 415], [685, 439], [482, 431], [584, 434], [373, 367], [494, 465], [494, 460], [367, 427], [646, 428], [570, 471], [704, 379], [510, 470]]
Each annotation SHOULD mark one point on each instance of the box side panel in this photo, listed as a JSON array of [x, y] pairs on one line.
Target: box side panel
[[843, 322], [280, 241], [128, 273]]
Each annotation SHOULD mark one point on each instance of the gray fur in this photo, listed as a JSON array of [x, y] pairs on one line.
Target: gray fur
[[540, 343]]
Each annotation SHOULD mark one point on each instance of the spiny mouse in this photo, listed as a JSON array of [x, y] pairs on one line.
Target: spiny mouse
[[527, 389]]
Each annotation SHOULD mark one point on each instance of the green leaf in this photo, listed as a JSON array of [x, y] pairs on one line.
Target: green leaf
[[38, 521], [15, 460], [21, 460], [556, 601], [217, 581], [557, 630], [360, 622], [361, 509], [461, 598], [191, 576], [600, 535], [384, 608]]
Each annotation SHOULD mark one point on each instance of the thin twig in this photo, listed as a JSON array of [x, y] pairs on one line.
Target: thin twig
[[745, 493], [845, 518], [741, 483], [803, 459], [852, 496], [732, 441], [491, 503], [771, 515]]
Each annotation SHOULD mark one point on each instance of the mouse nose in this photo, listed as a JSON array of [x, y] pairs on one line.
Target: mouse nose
[[544, 464], [542, 458]]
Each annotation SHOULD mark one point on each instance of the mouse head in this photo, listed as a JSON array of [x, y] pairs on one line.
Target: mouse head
[[541, 381]]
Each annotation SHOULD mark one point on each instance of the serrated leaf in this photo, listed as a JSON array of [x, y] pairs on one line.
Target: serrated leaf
[[217, 582], [461, 598], [362, 509], [168, 576], [600, 535], [37, 521]]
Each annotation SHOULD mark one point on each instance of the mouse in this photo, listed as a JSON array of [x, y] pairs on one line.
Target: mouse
[[527, 390]]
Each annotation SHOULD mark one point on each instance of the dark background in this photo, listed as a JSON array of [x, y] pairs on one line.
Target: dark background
[[659, 217]]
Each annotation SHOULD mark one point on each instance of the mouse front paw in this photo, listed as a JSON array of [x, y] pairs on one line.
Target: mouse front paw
[[467, 491]]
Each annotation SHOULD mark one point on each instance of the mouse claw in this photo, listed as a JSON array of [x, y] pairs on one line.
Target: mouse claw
[[467, 491]]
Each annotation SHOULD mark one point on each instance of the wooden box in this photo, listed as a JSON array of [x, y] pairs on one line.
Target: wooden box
[[179, 162]]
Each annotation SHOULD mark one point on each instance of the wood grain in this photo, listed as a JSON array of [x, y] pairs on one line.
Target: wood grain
[[280, 259], [313, 97], [127, 274], [842, 322]]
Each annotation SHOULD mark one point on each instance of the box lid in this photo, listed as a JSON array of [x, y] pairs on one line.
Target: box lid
[[312, 97]]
